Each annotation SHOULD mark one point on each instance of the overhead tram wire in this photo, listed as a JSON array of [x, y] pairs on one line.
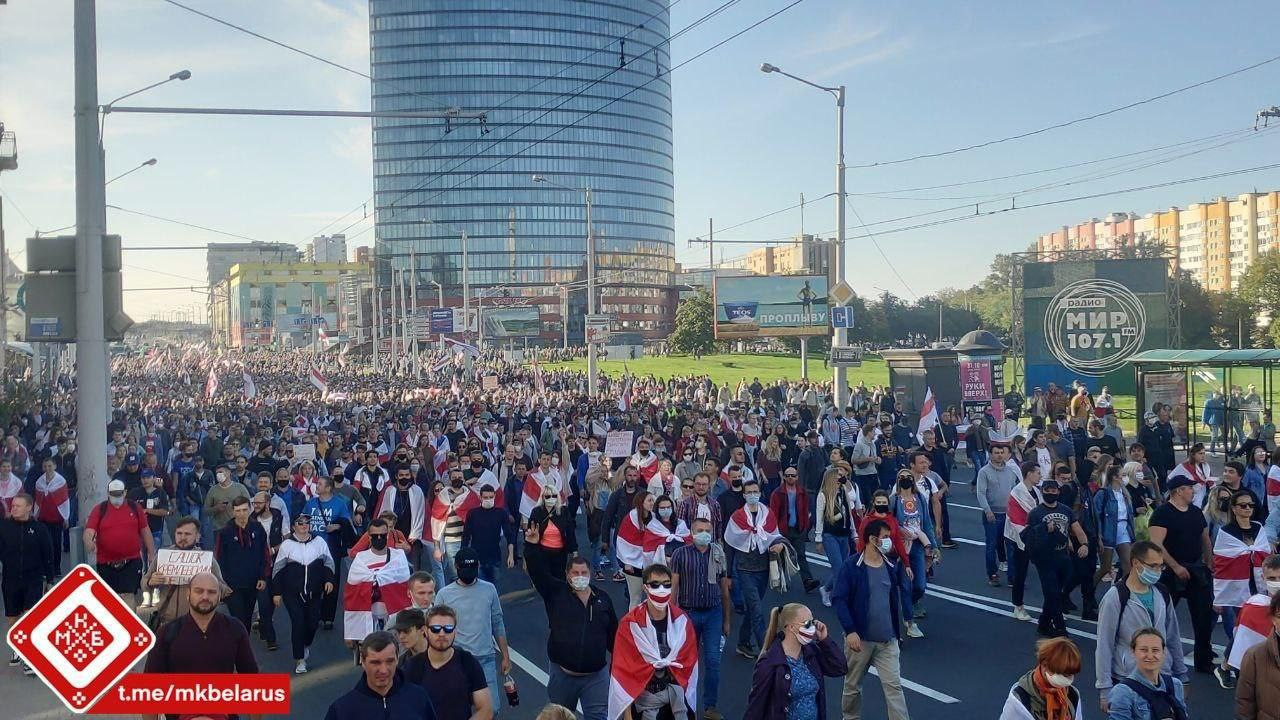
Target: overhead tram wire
[[547, 111], [184, 224], [876, 244], [767, 215], [543, 81], [537, 142], [1068, 123]]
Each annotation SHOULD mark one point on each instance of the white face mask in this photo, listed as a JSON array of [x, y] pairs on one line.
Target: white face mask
[[116, 500], [486, 503], [806, 635], [1059, 681], [550, 502], [659, 597], [1273, 587]]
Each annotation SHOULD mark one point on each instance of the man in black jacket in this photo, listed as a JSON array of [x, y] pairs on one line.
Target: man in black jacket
[[583, 626], [27, 554], [242, 552], [812, 464]]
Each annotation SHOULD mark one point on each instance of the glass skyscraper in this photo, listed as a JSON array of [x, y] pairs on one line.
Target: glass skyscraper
[[586, 78]]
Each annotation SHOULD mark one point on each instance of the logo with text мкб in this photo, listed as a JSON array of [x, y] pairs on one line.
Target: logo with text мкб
[[80, 638]]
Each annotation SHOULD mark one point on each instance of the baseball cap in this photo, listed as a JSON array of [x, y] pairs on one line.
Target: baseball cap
[[131, 459], [467, 558], [148, 473], [1176, 482], [115, 486]]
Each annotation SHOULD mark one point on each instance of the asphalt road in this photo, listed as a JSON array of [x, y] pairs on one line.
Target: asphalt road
[[972, 652]]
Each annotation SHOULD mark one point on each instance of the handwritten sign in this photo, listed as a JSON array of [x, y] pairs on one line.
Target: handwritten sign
[[618, 443], [489, 382], [304, 452], [177, 567]]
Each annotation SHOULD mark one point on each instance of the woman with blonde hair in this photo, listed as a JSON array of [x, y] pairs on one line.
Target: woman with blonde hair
[[838, 507], [1217, 509], [769, 465], [797, 653]]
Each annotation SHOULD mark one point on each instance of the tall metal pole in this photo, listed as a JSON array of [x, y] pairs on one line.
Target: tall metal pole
[[92, 383], [375, 309], [564, 316], [841, 335], [466, 304], [711, 251], [395, 348], [592, 369], [413, 315], [404, 313], [4, 296]]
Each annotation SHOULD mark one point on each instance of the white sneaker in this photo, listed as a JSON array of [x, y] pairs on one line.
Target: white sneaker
[[826, 596], [1019, 613], [913, 630], [1004, 567], [301, 667]]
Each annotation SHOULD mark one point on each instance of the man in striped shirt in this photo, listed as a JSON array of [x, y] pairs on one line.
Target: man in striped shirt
[[699, 576], [848, 430]]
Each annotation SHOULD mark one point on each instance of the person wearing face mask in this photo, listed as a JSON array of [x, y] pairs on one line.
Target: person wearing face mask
[[866, 599], [700, 580], [655, 655], [549, 539], [117, 531], [665, 532], [1256, 649], [376, 584], [480, 629], [688, 465], [583, 625], [449, 510], [752, 533], [630, 544], [1135, 603], [406, 500], [798, 653], [484, 529], [1046, 691], [835, 516], [1147, 692], [621, 503], [302, 575], [790, 506], [1241, 548], [1048, 546]]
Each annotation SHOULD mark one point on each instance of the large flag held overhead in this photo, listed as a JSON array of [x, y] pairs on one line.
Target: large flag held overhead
[[462, 347], [319, 381], [1234, 563], [624, 397], [390, 575], [211, 385], [440, 460], [250, 389], [928, 412], [1253, 627]]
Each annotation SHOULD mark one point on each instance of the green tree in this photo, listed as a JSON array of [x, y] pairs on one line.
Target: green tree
[[1233, 320], [1196, 313], [1260, 290], [693, 331]]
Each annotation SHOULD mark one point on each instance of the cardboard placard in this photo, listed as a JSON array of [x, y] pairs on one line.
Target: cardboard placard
[[489, 382], [618, 443], [177, 567], [304, 452]]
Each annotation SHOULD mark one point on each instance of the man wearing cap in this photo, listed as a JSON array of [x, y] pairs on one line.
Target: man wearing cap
[[1178, 527], [116, 531], [410, 627], [130, 473], [1048, 546], [155, 503], [480, 627]]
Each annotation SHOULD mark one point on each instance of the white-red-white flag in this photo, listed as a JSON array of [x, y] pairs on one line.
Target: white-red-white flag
[[319, 381], [211, 385], [389, 573], [636, 654], [928, 412], [250, 389], [1234, 563], [1253, 626]]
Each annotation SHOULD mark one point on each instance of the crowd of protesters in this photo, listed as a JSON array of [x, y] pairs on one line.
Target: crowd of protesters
[[320, 481]]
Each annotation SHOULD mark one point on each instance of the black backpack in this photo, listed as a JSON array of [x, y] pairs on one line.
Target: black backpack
[[102, 509], [1163, 703]]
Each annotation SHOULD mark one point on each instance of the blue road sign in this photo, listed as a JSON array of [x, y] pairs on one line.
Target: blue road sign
[[841, 317]]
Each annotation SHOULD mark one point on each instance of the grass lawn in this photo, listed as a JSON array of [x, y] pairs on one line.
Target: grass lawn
[[732, 368]]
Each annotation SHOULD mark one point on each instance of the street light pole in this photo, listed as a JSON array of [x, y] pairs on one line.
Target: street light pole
[[835, 272], [592, 368], [439, 304]]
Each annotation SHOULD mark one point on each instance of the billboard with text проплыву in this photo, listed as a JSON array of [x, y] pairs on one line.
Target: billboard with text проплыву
[[771, 306]]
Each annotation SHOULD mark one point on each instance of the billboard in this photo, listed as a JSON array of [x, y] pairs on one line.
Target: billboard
[[1084, 319], [774, 306], [509, 322]]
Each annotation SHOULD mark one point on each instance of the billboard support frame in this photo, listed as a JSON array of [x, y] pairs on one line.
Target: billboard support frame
[[1017, 323]]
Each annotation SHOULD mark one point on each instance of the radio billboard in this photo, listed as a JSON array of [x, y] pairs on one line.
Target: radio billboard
[[773, 306], [1086, 318]]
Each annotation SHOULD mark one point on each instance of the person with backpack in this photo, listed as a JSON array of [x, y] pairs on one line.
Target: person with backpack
[[117, 532], [1138, 602], [1147, 692]]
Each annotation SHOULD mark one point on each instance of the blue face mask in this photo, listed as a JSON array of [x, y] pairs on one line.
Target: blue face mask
[[1148, 576], [702, 539]]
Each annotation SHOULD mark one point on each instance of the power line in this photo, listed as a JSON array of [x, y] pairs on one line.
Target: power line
[[184, 224], [535, 143], [880, 250], [9, 199], [534, 86], [1075, 121], [768, 215]]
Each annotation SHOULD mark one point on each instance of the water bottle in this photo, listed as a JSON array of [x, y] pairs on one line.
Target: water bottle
[[513, 693]]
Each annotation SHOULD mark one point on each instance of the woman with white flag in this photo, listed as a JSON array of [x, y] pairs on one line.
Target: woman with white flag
[[1254, 622], [665, 532], [629, 544], [1239, 551], [1024, 498]]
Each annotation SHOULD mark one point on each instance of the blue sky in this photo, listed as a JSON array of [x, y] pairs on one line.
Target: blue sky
[[921, 78]]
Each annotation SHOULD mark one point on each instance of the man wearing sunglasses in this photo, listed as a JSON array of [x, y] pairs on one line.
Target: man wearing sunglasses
[[445, 670], [655, 654]]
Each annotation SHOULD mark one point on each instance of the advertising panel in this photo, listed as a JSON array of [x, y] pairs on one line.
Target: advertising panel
[[1084, 319], [509, 322], [773, 306]]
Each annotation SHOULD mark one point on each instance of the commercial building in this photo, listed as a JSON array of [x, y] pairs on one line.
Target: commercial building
[[1215, 241], [577, 92], [326, 249], [219, 257], [279, 304], [806, 255]]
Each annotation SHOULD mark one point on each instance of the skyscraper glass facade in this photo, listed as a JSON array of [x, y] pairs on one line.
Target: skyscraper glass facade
[[573, 90]]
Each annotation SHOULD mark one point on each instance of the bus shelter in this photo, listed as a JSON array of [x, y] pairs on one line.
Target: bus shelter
[[1218, 397]]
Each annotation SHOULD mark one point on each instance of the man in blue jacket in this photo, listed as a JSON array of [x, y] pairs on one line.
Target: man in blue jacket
[[382, 691], [866, 601]]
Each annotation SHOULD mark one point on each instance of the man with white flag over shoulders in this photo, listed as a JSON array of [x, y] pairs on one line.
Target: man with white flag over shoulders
[[655, 655]]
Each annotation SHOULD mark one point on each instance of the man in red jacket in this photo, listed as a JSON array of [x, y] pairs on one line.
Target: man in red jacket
[[789, 504]]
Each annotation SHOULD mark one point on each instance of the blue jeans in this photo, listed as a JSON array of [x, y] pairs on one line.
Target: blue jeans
[[993, 536], [919, 582], [591, 691], [755, 583], [489, 663], [708, 625], [489, 572], [735, 587], [978, 458], [837, 549], [428, 559], [1229, 617]]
